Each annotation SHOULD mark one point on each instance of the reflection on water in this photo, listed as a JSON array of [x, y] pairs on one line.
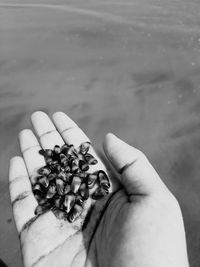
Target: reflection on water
[[132, 68]]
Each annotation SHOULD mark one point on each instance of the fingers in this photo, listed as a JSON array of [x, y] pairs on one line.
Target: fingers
[[137, 174], [45, 130], [21, 196], [30, 150]]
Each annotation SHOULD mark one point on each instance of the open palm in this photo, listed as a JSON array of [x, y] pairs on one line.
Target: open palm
[[123, 229]]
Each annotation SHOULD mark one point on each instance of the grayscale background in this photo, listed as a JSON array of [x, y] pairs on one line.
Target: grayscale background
[[131, 67]]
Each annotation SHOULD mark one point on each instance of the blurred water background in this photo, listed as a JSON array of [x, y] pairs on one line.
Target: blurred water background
[[129, 67]]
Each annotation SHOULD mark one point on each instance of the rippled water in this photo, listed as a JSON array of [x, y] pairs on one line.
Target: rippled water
[[129, 67]]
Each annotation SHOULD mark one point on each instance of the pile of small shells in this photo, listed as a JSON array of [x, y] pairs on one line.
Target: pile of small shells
[[64, 183]]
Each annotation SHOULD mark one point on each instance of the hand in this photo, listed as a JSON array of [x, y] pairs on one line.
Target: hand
[[140, 224]]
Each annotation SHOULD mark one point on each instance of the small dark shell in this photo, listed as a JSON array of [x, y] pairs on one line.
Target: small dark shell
[[90, 159], [51, 176], [103, 179], [51, 191], [42, 208], [57, 149], [55, 167], [83, 166], [44, 171], [84, 148], [59, 213], [60, 185], [67, 168], [42, 201], [72, 151], [48, 152], [69, 201], [75, 184], [42, 152], [83, 175], [63, 158], [74, 165], [91, 180], [44, 181], [49, 161], [64, 149], [67, 189], [99, 193], [83, 191], [80, 201], [58, 202], [75, 213], [37, 189]]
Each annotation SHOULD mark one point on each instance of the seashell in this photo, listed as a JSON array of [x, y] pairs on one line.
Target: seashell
[[51, 176], [44, 181], [48, 153], [99, 193], [57, 149], [72, 151], [67, 189], [90, 159], [58, 202], [69, 201], [91, 179], [67, 168], [60, 186], [103, 179], [82, 175], [74, 165], [80, 201], [83, 191], [42, 152], [75, 213], [83, 165], [42, 208], [44, 170], [51, 191], [59, 213], [49, 160], [55, 166], [42, 201], [64, 149], [37, 189], [63, 158], [84, 148], [75, 184]]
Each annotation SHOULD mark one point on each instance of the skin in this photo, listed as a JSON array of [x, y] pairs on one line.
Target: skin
[[139, 224]]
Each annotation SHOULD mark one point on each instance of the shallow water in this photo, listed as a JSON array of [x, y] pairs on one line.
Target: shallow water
[[131, 67]]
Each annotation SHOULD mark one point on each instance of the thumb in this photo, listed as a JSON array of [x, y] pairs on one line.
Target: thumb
[[137, 174]]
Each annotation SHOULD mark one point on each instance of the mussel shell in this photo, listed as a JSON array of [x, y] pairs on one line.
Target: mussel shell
[[74, 165], [57, 149], [69, 201], [83, 191], [99, 193], [44, 181], [79, 200], [90, 159], [44, 170], [40, 209], [75, 213], [59, 213], [64, 149], [103, 179], [84, 148], [37, 189], [75, 184], [67, 189], [83, 165], [51, 191], [48, 152], [51, 176], [91, 180], [60, 185], [58, 202]]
